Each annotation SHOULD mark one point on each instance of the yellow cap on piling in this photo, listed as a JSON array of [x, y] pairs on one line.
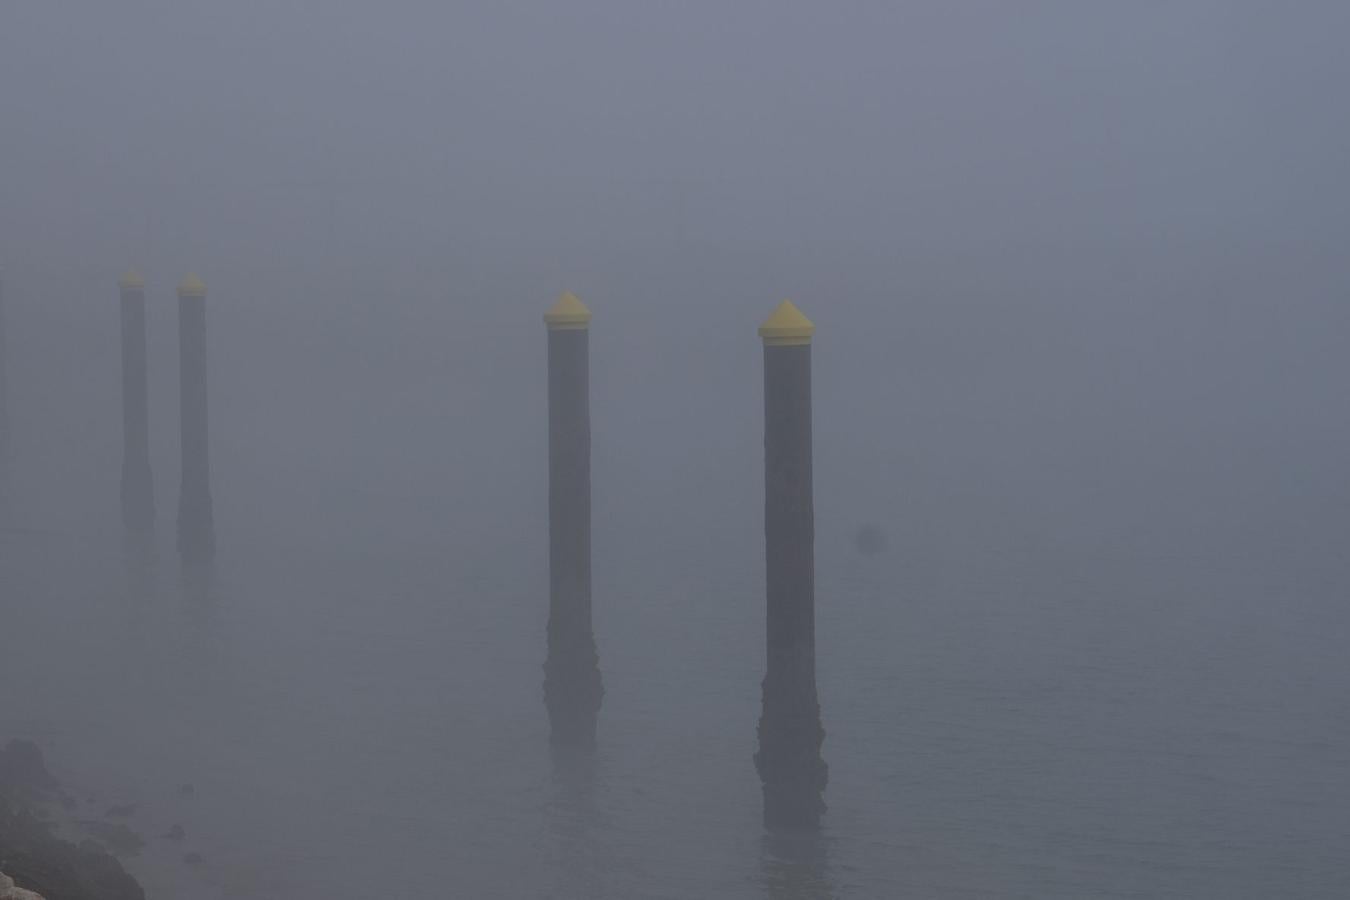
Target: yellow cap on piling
[[132, 281], [787, 327], [568, 314], [191, 286]]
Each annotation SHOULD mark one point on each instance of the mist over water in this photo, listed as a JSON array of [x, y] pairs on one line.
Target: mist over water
[[1081, 298]]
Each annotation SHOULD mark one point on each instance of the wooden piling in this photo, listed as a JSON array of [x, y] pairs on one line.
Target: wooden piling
[[572, 684], [791, 769]]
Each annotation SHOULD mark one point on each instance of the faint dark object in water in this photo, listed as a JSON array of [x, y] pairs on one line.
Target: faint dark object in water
[[572, 686], [789, 761], [869, 539], [138, 491], [186, 790], [192, 859], [176, 833], [121, 811], [196, 528]]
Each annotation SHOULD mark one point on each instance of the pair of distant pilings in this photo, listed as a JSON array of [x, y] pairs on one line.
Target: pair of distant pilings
[[196, 530], [791, 768]]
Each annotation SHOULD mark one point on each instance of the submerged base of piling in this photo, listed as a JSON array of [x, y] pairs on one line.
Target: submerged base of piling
[[573, 692], [792, 771]]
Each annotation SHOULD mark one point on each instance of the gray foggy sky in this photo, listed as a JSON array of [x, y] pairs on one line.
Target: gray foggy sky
[[219, 129]]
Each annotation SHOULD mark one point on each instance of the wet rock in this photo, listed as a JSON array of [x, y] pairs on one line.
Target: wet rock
[[38, 864], [9, 892], [39, 861]]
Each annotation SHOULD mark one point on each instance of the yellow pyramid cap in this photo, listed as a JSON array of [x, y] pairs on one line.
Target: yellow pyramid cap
[[786, 327], [569, 313], [191, 286], [132, 281]]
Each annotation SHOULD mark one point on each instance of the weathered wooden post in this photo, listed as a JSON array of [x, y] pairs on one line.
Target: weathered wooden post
[[572, 687], [138, 491], [196, 531], [790, 766]]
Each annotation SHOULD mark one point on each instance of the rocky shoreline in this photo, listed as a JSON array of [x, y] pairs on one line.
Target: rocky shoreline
[[36, 864], [9, 892]]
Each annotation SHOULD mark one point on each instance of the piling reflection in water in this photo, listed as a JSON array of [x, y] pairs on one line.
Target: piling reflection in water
[[795, 866], [572, 816], [138, 565], [198, 640], [197, 586]]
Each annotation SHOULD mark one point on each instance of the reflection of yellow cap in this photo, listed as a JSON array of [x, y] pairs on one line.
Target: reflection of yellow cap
[[191, 286], [132, 281], [786, 327], [568, 314]]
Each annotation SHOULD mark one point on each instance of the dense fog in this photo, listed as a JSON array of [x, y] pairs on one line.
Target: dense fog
[[1079, 278]]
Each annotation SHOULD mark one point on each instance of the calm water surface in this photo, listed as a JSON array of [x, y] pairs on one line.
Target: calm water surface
[[368, 717]]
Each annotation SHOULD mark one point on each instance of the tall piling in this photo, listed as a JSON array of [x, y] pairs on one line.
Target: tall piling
[[196, 530], [572, 685], [138, 491], [791, 769]]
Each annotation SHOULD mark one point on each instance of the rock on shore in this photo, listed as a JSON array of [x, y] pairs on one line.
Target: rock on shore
[[9, 892], [32, 856]]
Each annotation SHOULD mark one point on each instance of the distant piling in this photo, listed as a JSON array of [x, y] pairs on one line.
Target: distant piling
[[196, 530], [4, 389], [572, 686], [789, 761], [138, 491]]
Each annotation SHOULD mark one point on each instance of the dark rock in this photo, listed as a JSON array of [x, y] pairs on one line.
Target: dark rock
[[58, 870]]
